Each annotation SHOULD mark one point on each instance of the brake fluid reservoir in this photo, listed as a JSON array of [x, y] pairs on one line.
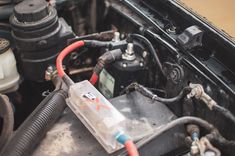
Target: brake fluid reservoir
[[9, 77], [102, 119]]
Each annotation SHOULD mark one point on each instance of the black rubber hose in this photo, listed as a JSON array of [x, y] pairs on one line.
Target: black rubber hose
[[6, 112], [151, 49], [36, 125]]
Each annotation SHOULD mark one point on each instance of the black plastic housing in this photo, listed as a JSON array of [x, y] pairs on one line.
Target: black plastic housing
[[39, 36], [125, 72]]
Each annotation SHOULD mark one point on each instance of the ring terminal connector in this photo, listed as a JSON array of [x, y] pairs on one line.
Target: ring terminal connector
[[50, 73], [199, 93]]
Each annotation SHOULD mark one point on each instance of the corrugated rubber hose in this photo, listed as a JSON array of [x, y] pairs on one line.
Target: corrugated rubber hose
[[7, 114], [36, 125]]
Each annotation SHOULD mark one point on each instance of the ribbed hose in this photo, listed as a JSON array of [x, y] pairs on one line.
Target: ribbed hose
[[6, 112], [36, 125]]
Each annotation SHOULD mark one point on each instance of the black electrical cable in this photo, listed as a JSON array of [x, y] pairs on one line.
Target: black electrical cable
[[179, 122], [151, 21], [151, 48], [143, 90], [6, 112], [224, 111], [173, 99], [220, 141], [174, 51], [107, 58], [146, 92]]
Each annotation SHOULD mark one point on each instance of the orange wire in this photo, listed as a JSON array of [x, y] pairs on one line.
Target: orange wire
[[131, 148], [64, 53]]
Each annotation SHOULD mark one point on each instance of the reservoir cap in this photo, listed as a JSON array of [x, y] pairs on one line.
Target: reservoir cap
[[31, 10]]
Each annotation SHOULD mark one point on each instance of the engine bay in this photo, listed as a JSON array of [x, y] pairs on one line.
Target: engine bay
[[106, 77]]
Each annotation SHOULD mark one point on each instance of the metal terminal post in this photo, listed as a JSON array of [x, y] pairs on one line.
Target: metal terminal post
[[116, 37], [129, 53], [199, 93]]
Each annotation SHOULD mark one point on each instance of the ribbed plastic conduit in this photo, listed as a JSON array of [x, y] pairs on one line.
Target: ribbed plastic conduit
[[32, 131]]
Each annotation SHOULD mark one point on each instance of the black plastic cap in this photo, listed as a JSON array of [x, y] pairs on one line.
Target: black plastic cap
[[4, 45], [31, 10]]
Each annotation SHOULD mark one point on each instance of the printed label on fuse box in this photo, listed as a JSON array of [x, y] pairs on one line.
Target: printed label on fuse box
[[106, 84]]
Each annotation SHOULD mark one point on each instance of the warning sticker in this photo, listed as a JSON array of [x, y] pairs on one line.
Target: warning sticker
[[106, 84]]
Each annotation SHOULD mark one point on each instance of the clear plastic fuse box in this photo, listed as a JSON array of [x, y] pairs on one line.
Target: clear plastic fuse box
[[102, 119]]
